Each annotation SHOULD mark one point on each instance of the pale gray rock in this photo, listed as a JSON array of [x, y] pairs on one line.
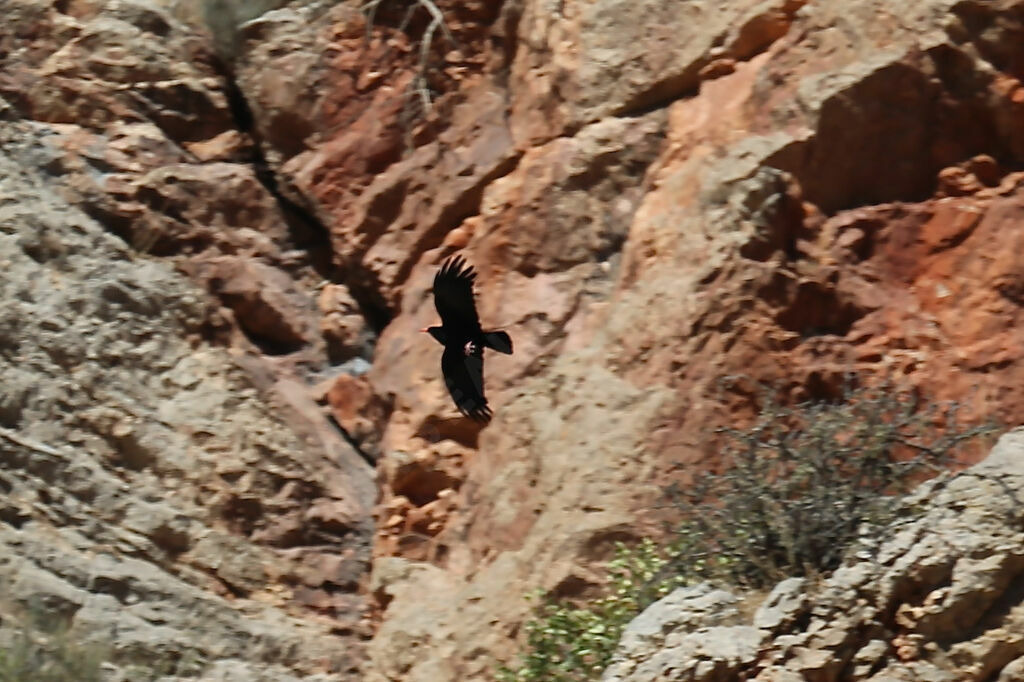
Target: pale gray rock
[[139, 458], [783, 605], [946, 574], [684, 608], [686, 623], [710, 654]]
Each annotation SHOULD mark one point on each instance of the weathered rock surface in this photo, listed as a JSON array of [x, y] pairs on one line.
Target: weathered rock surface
[[179, 502], [693, 633], [740, 257], [655, 198], [938, 598], [146, 475], [151, 138], [590, 60]]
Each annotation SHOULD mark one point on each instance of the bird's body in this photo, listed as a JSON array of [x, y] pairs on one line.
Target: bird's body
[[464, 340]]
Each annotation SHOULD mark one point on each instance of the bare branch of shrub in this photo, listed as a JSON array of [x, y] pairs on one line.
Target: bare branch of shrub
[[420, 85], [803, 486], [803, 483]]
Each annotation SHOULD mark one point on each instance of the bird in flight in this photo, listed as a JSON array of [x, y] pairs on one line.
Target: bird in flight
[[462, 362]]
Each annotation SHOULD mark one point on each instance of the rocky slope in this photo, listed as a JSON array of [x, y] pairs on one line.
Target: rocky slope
[[171, 492], [938, 598], [814, 208], [221, 223]]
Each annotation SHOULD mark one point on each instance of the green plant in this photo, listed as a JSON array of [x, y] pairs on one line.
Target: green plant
[[574, 643], [803, 483], [797, 490]]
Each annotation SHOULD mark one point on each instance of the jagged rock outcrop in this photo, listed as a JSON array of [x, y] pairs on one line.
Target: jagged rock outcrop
[[936, 597], [182, 504], [815, 209], [655, 198], [690, 634], [151, 495]]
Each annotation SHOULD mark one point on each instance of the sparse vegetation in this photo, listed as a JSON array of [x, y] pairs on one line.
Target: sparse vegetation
[[574, 643], [796, 492], [42, 649], [421, 83], [803, 483], [37, 645]]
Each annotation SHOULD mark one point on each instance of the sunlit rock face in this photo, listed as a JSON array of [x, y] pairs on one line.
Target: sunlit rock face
[[221, 225], [170, 487]]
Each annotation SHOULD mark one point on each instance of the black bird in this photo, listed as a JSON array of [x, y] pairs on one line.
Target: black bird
[[462, 362]]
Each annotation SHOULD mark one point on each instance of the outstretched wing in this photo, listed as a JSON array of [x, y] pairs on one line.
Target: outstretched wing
[[453, 295], [464, 376]]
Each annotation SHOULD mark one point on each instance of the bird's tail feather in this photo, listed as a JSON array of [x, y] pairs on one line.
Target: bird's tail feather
[[499, 341]]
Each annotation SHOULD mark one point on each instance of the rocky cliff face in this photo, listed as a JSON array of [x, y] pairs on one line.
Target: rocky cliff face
[[938, 598], [165, 486], [221, 224]]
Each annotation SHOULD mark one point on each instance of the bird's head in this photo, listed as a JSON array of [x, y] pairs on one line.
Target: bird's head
[[437, 332]]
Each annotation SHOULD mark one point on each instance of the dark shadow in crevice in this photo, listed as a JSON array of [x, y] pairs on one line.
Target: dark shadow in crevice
[[307, 231], [367, 457]]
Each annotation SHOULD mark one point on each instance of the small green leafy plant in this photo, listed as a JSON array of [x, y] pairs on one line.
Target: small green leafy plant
[[574, 643]]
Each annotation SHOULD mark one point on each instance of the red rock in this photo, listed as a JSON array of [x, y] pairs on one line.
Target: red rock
[[656, 197], [266, 303], [358, 410], [728, 267]]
